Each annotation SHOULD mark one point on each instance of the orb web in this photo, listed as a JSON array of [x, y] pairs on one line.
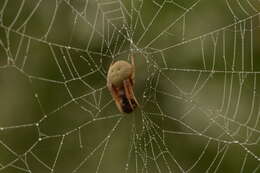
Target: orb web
[[197, 82]]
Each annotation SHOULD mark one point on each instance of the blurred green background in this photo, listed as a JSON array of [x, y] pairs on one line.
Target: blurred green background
[[197, 82]]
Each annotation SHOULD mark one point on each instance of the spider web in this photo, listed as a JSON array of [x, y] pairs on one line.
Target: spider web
[[197, 82]]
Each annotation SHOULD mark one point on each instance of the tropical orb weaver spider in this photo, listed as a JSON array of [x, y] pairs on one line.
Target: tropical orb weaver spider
[[120, 82]]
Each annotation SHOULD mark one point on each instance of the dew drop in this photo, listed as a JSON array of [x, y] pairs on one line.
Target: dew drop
[[236, 142]]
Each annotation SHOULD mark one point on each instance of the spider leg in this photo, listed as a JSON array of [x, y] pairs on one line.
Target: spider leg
[[115, 95], [133, 60], [130, 94], [133, 72]]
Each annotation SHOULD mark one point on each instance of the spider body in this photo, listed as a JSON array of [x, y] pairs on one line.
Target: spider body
[[120, 82]]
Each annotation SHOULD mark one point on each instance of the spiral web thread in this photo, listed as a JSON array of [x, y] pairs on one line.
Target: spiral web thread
[[197, 76]]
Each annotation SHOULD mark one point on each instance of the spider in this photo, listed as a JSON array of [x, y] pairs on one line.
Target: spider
[[120, 82]]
